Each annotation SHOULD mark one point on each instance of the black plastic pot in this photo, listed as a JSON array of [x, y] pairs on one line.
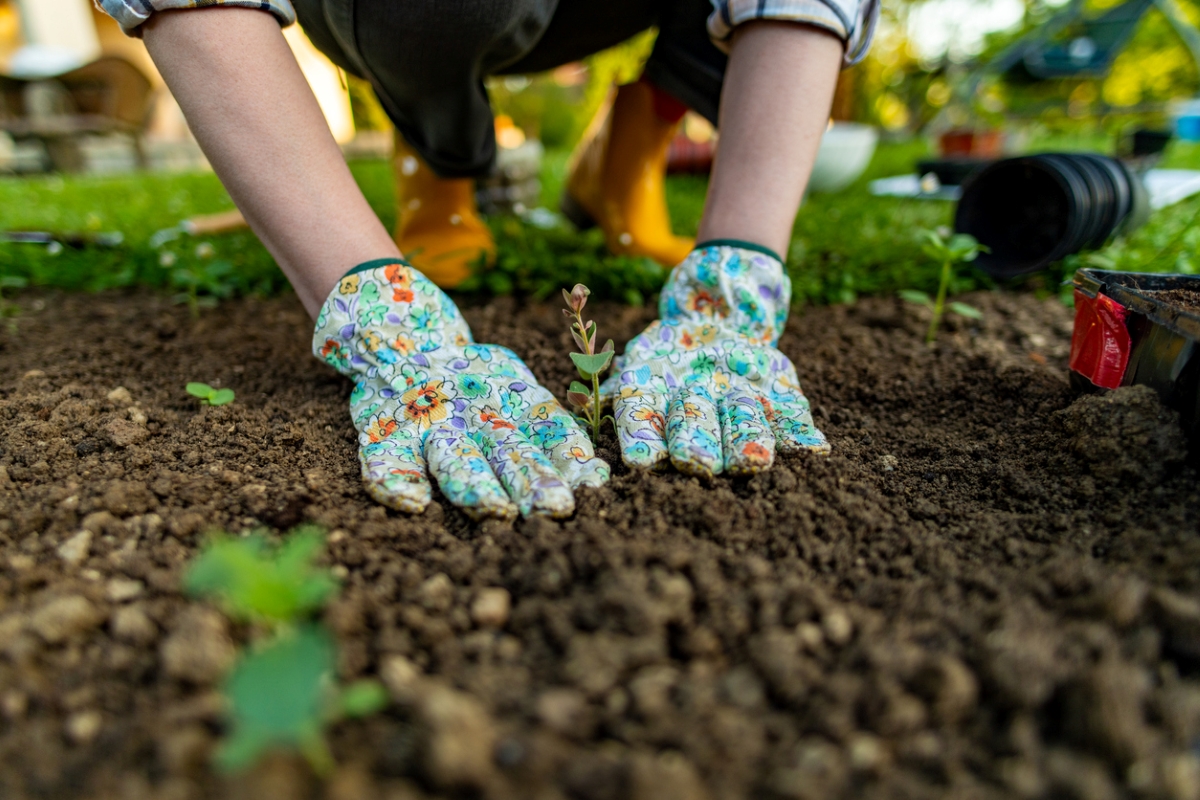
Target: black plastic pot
[[952, 171], [1032, 211], [1127, 331]]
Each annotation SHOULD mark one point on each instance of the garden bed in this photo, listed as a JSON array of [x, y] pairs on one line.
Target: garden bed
[[989, 589]]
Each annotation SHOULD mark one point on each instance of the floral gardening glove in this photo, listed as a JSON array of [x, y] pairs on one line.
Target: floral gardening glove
[[704, 386], [428, 401]]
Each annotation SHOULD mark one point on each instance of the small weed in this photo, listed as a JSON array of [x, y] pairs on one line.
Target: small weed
[[281, 692], [201, 281], [950, 250], [589, 363], [208, 395]]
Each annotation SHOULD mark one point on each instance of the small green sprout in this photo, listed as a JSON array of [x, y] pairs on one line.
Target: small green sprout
[[282, 692], [254, 582], [202, 280], [208, 395], [281, 695], [589, 363], [950, 250]]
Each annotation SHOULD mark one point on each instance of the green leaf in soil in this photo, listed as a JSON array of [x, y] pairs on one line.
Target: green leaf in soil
[[915, 296], [201, 390], [363, 698], [964, 310], [590, 365], [278, 698], [253, 581], [220, 397]]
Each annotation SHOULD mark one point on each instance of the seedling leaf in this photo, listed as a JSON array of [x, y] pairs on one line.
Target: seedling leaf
[[915, 296], [278, 697], [220, 397], [964, 310], [590, 365], [252, 582], [576, 386], [201, 390], [363, 698]]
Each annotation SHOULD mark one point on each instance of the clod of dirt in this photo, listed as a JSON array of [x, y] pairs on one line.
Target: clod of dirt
[[1125, 434], [123, 432], [564, 711], [65, 618], [949, 687], [491, 607], [131, 624], [1179, 617], [667, 776], [76, 549], [1105, 711], [120, 396], [124, 498], [120, 590], [199, 648], [458, 735]]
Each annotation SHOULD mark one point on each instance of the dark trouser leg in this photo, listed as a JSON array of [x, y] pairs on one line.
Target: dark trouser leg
[[427, 58], [685, 63]]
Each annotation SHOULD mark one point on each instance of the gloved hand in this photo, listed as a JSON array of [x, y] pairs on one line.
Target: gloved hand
[[704, 386], [427, 398]]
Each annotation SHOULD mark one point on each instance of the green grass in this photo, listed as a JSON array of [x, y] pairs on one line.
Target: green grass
[[843, 246]]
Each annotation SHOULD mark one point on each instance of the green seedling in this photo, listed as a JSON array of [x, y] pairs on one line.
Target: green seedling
[[253, 581], [281, 696], [208, 395], [281, 693], [951, 251], [589, 363], [201, 281]]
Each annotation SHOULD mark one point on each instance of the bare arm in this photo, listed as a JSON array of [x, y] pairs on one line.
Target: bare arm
[[774, 108], [260, 126]]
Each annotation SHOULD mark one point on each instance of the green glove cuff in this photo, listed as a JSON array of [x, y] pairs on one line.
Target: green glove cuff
[[374, 263], [743, 244]]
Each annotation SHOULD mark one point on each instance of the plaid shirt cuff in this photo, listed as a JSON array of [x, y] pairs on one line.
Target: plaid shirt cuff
[[130, 14], [853, 21]]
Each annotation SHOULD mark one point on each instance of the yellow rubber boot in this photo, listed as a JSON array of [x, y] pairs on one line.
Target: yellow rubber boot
[[438, 228], [616, 178]]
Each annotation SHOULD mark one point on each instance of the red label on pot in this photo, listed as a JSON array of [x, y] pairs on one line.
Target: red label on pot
[[1100, 341]]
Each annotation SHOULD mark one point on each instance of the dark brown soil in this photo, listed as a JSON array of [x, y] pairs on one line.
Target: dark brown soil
[[1187, 299], [990, 589]]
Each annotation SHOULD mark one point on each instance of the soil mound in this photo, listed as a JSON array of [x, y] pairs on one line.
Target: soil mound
[[989, 589]]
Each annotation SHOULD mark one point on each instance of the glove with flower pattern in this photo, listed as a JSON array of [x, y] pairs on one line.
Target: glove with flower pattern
[[704, 386], [428, 400]]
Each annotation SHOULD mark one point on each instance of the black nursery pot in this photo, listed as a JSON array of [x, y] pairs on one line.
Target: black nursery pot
[[1034, 210], [1138, 328]]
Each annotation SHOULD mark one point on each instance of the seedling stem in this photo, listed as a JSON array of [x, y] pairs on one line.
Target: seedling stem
[[589, 363]]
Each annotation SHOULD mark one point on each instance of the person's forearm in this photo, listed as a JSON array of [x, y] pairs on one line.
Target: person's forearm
[[774, 107], [256, 119]]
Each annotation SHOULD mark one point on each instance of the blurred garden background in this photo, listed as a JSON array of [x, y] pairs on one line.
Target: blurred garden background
[[97, 204]]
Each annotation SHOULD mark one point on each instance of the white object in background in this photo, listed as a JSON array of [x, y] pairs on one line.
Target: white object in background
[[326, 83], [1169, 186], [910, 186], [846, 150], [60, 35]]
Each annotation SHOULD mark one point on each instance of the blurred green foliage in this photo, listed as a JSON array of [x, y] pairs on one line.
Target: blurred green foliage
[[254, 581], [281, 692], [843, 245]]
